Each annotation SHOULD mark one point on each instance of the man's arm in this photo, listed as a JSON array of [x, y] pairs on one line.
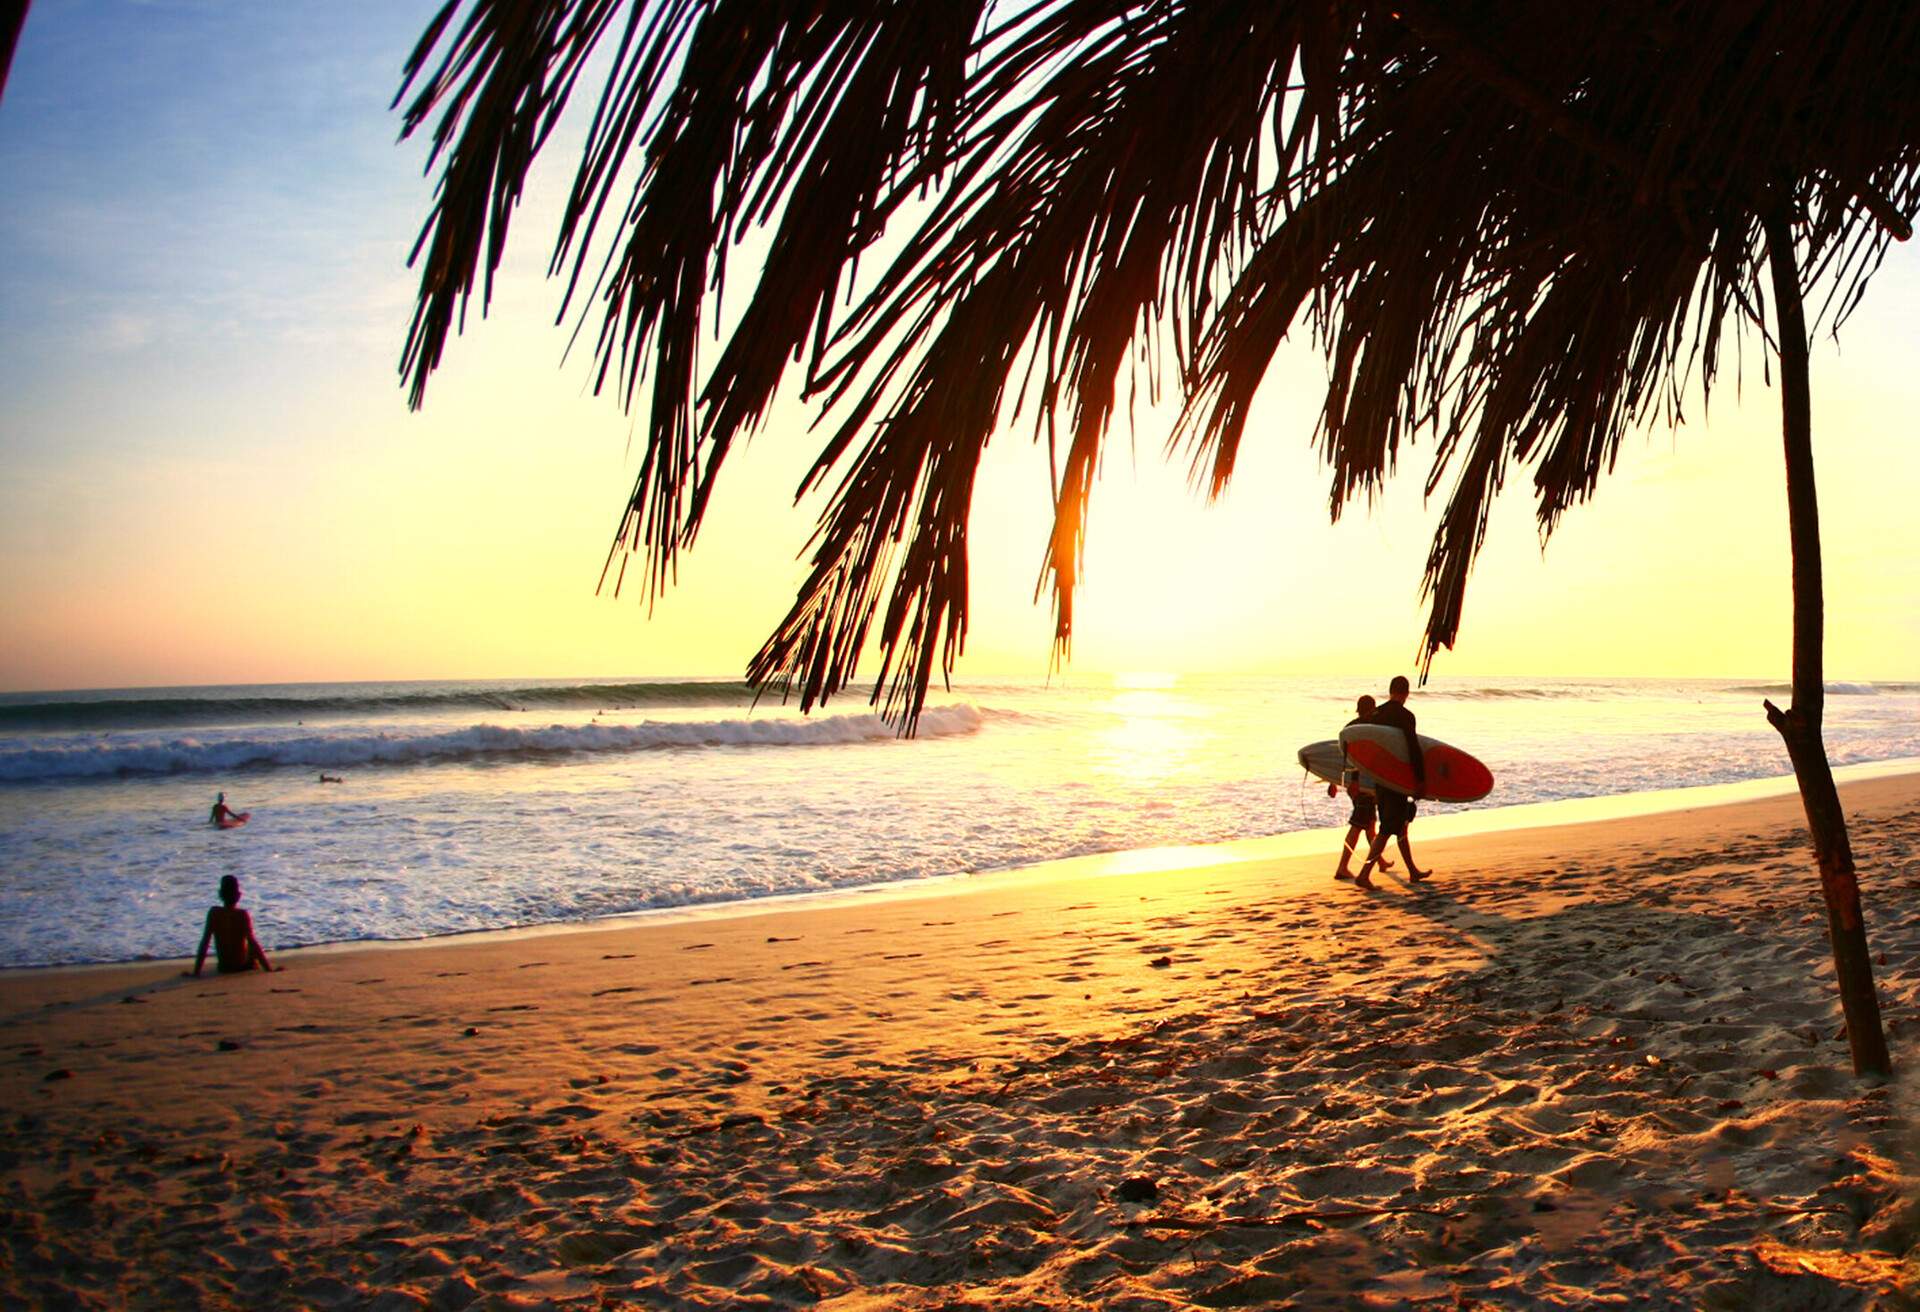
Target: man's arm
[[254, 950], [1414, 757]]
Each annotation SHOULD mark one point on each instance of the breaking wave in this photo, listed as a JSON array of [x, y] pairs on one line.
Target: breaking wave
[[1635, 689], [1834, 687], [162, 708], [43, 760], [1506, 694]]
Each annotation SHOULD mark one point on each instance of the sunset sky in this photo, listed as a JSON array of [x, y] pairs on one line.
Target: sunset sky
[[212, 475]]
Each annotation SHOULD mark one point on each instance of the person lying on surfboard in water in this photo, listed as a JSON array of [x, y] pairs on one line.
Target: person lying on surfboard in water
[[230, 930], [1396, 809], [1360, 788]]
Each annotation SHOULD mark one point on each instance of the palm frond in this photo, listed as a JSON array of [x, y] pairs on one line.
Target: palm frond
[[1518, 232]]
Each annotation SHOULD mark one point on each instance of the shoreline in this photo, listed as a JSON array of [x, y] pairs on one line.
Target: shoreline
[[1430, 827], [1592, 1064]]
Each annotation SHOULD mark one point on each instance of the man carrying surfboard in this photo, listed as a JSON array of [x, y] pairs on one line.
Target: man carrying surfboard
[[1359, 786], [1396, 808]]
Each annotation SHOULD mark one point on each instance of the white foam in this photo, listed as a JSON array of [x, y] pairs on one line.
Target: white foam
[[136, 754]]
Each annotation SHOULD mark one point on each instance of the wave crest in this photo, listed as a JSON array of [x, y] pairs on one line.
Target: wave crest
[[100, 759], [54, 712], [1834, 688], [1501, 694]]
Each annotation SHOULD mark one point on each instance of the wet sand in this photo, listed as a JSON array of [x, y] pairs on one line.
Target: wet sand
[[1592, 1065]]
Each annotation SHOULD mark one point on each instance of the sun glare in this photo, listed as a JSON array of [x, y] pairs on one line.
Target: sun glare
[[1149, 735]]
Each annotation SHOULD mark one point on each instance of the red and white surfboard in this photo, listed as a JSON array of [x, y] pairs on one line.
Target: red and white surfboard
[[1452, 775]]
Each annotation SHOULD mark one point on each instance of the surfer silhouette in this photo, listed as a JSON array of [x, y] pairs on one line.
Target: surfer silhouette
[[230, 930], [1397, 809], [221, 811], [1359, 787]]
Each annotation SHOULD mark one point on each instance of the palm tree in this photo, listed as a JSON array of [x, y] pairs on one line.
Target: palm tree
[[13, 16], [1518, 229]]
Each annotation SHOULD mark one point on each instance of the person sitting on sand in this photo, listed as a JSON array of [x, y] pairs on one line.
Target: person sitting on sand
[[230, 930], [1359, 787], [221, 811], [1396, 808]]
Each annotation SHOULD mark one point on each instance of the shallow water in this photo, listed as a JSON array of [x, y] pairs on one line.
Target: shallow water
[[481, 805]]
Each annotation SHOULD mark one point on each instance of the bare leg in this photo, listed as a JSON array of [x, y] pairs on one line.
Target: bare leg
[[1373, 835], [1414, 872], [1364, 878], [1346, 852]]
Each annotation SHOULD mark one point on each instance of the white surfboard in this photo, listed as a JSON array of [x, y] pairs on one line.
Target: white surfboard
[[1325, 761]]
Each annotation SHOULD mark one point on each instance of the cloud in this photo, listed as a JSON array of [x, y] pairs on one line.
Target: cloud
[[123, 331]]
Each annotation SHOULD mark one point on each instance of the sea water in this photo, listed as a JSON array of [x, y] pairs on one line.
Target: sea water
[[483, 805]]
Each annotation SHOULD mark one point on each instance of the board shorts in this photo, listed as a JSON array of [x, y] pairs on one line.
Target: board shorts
[[1363, 810], [1396, 813]]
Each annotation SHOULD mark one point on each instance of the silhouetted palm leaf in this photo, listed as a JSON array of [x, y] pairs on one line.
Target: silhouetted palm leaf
[[1520, 227], [1079, 174], [13, 16]]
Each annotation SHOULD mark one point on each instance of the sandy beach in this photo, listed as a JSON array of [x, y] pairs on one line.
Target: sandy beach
[[1593, 1065]]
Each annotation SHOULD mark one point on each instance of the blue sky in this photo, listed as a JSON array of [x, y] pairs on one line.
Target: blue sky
[[195, 177]]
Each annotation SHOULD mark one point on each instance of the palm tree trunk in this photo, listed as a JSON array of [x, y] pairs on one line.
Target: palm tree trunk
[[1799, 724]]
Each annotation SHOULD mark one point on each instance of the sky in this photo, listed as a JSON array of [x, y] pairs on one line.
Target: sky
[[212, 475]]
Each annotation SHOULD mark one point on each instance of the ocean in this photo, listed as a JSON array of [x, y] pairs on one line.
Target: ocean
[[477, 805]]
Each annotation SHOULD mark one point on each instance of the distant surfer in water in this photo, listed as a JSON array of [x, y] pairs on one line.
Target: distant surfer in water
[[1396, 809], [1360, 788], [230, 930], [221, 811]]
